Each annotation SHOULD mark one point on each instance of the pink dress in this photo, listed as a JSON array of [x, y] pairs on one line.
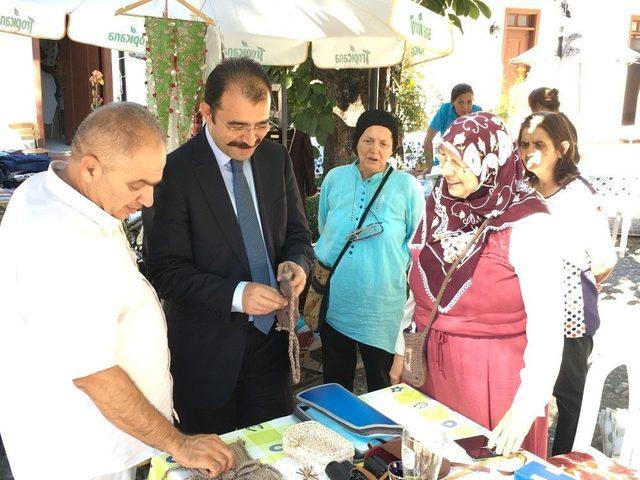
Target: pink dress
[[475, 351]]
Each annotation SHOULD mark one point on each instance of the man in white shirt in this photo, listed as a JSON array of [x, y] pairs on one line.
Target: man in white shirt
[[84, 361]]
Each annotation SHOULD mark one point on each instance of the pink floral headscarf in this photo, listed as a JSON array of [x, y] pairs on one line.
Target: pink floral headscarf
[[503, 196]]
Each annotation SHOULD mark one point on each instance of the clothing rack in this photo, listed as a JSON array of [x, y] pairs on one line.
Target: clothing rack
[[198, 13]]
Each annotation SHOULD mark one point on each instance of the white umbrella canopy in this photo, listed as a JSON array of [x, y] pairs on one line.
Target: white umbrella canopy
[[427, 35], [278, 33], [94, 22], [39, 19], [342, 33], [578, 49], [90, 21]]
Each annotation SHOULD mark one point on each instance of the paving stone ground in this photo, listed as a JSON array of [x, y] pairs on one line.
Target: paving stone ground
[[620, 314]]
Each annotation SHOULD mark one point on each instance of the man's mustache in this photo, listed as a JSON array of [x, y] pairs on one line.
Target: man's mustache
[[244, 145]]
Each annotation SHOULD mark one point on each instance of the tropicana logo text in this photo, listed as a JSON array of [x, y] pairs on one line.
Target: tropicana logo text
[[418, 28], [131, 38], [16, 22], [256, 54], [353, 57]]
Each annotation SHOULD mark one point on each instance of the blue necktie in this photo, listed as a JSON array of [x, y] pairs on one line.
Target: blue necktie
[[252, 236]]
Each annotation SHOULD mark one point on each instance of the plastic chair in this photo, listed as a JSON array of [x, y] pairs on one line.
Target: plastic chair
[[29, 133], [623, 219], [601, 365], [621, 200]]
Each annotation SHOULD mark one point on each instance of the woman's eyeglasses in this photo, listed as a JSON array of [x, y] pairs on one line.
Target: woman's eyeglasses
[[368, 231], [454, 165], [371, 230]]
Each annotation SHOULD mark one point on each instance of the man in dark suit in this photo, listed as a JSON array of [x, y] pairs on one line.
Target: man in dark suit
[[228, 218]]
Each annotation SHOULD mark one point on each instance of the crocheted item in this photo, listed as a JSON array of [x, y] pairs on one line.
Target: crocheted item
[[246, 468], [315, 304], [312, 443], [287, 318]]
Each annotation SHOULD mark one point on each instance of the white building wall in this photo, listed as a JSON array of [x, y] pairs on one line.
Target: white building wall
[[591, 90], [17, 89]]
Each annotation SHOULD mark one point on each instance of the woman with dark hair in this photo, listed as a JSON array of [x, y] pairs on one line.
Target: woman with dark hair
[[368, 287], [494, 348], [549, 150], [461, 104], [544, 99]]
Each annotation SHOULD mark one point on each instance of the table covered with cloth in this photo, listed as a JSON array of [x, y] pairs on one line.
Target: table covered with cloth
[[401, 403]]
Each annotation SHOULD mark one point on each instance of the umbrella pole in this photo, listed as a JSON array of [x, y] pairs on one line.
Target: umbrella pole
[[579, 87], [374, 87]]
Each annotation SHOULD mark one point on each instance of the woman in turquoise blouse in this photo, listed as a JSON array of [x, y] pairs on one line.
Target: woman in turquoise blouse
[[369, 287], [461, 104]]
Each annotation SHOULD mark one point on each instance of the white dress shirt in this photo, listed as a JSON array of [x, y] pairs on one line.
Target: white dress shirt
[[585, 228], [224, 163], [74, 303]]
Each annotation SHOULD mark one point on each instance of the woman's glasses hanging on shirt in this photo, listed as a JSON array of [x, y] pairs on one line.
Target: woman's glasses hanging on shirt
[[368, 231]]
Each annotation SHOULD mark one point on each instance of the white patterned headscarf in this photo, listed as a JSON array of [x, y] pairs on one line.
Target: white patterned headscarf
[[503, 196]]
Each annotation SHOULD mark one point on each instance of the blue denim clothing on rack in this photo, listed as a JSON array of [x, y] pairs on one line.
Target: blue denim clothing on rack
[[12, 163]]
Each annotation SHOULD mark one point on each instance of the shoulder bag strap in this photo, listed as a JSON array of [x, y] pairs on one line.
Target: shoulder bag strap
[[452, 269], [362, 218]]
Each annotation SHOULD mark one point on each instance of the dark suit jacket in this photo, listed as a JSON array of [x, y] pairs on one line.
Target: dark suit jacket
[[195, 258], [301, 152]]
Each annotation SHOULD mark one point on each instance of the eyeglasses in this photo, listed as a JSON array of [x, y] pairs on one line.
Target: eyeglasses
[[372, 230], [444, 159], [259, 127]]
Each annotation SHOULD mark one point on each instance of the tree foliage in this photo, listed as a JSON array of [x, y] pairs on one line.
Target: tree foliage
[[309, 105], [313, 94], [455, 9], [411, 99]]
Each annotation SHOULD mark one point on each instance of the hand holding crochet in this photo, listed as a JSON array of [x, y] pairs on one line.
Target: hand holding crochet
[[298, 279]]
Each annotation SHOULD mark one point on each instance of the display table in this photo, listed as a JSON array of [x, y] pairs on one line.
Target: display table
[[401, 403]]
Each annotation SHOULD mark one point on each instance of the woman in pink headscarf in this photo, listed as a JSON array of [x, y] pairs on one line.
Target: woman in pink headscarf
[[495, 345]]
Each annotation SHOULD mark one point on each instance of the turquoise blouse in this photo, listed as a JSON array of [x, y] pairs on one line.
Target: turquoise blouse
[[369, 287]]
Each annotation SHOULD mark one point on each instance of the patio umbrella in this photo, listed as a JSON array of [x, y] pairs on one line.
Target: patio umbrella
[[342, 33], [579, 52], [577, 48], [39, 19], [47, 19]]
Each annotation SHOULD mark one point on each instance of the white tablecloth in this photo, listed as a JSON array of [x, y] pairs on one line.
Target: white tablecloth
[[401, 403]]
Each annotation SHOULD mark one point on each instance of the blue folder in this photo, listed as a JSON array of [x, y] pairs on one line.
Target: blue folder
[[348, 410], [539, 471]]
